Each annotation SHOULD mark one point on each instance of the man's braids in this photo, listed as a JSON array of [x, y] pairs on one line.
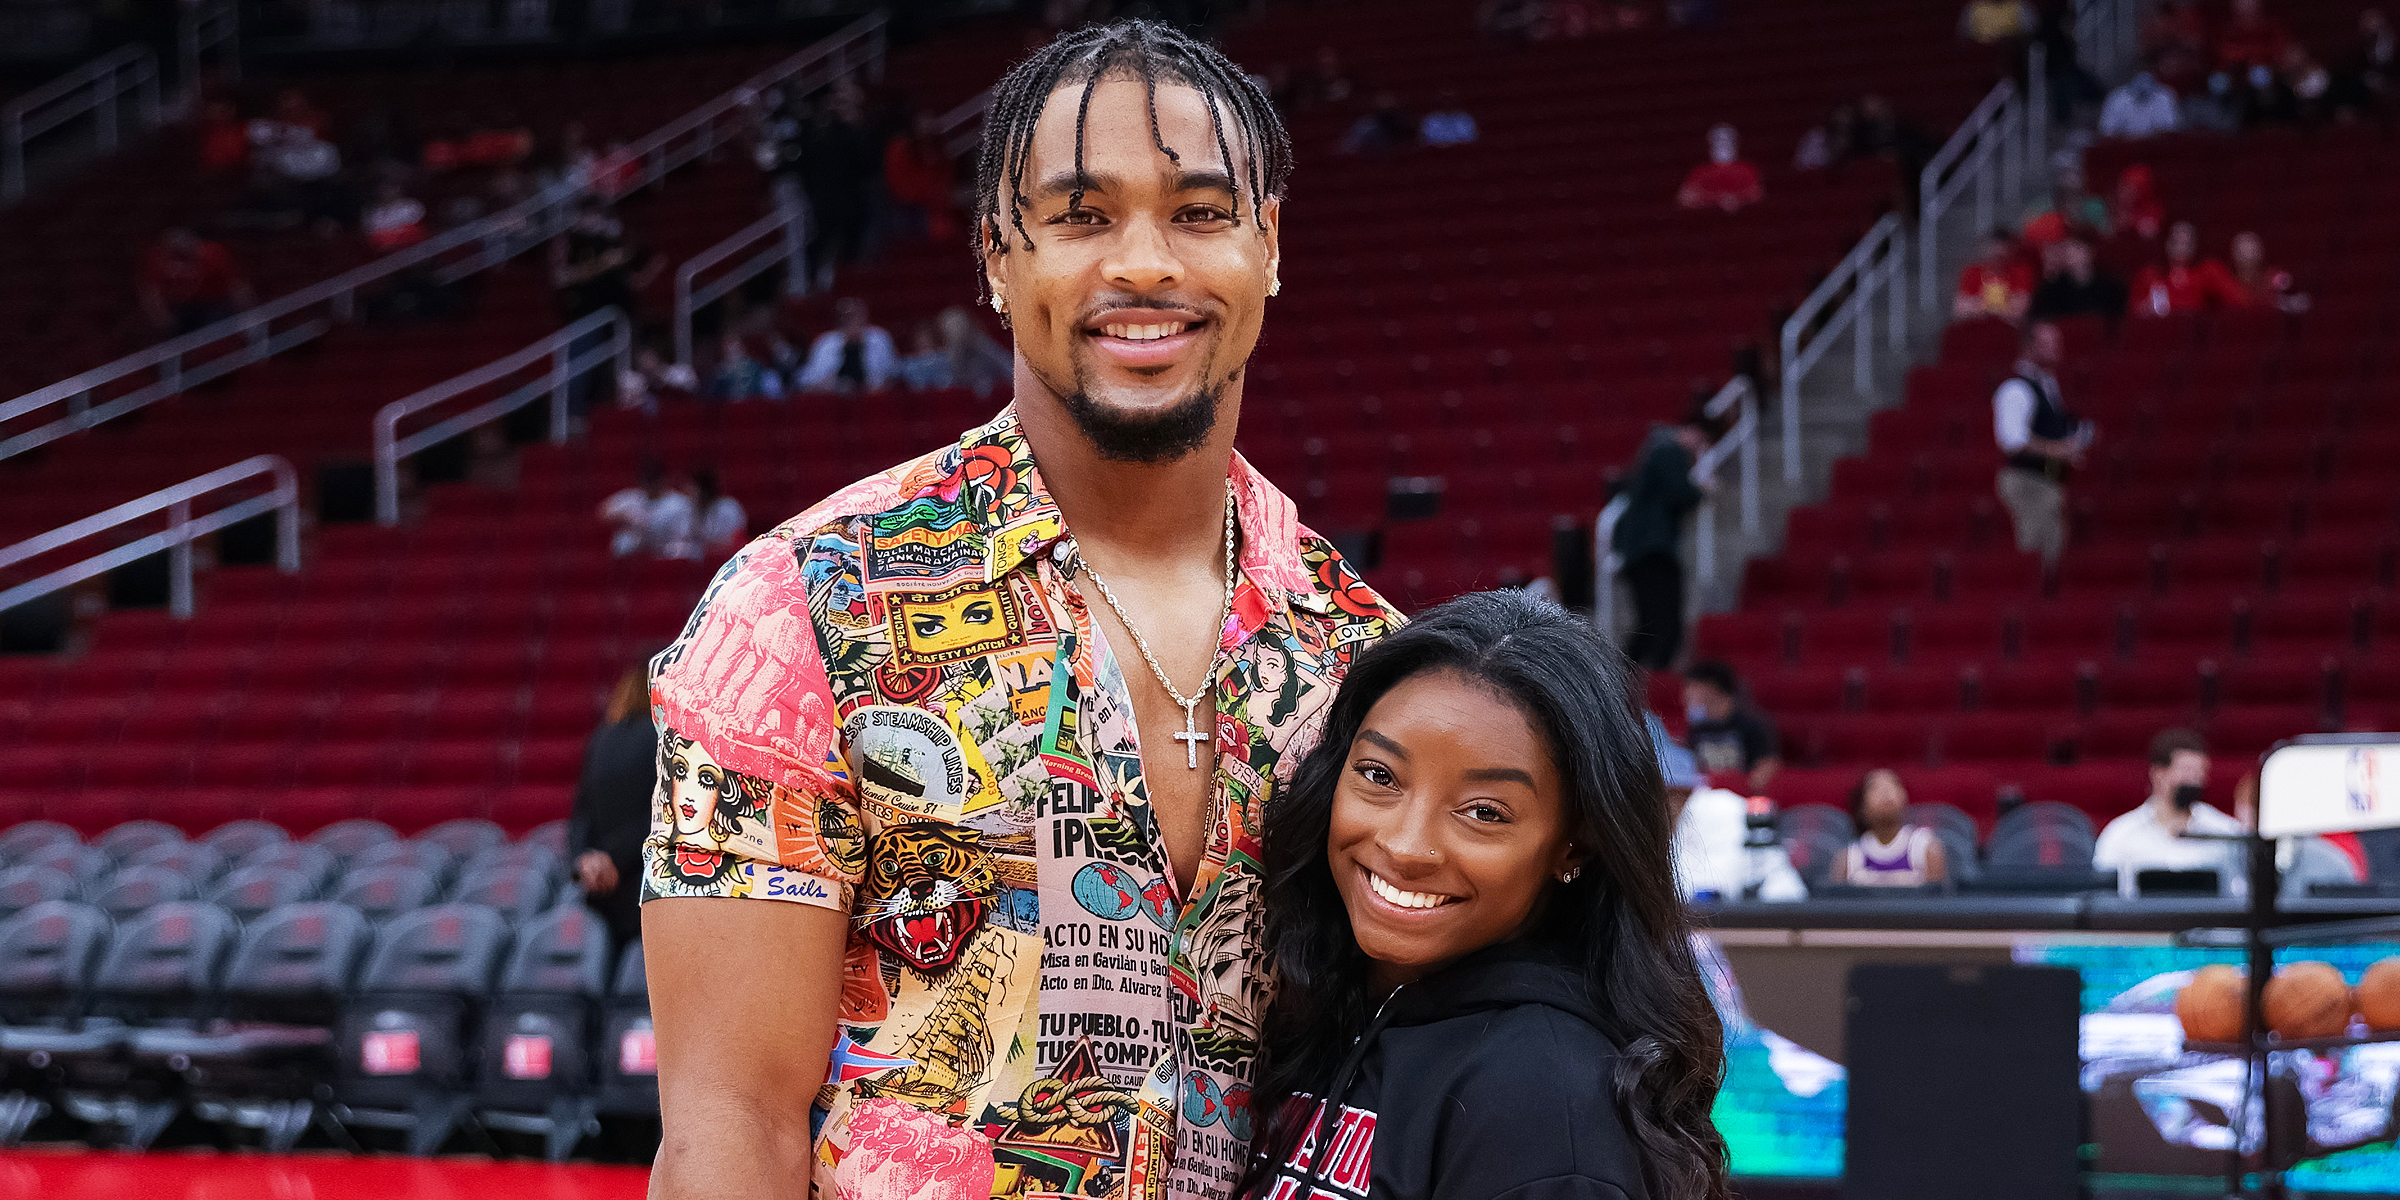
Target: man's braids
[[1150, 51]]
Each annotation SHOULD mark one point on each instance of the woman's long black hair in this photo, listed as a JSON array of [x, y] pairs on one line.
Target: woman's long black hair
[[1621, 918]]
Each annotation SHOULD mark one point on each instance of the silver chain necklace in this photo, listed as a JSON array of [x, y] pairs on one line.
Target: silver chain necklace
[[1191, 737]]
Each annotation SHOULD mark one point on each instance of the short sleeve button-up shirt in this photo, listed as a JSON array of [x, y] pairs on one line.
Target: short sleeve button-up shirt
[[897, 706]]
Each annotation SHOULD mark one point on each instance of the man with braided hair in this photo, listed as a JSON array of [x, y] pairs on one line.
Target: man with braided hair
[[998, 707]]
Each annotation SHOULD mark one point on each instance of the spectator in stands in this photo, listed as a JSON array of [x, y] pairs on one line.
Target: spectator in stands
[[952, 352], [1725, 182], [2000, 284], [782, 134], [2139, 108], [739, 374], [853, 356], [2042, 441], [2067, 211], [294, 110], [2361, 82], [1889, 852], [1449, 124], [187, 282], [298, 176], [2073, 285], [2263, 286], [1714, 862], [922, 181], [612, 806], [224, 139], [592, 264], [2186, 283], [652, 378], [2250, 38], [719, 523], [1726, 733], [650, 518], [2136, 211], [841, 168], [1661, 492], [2154, 836], [395, 221], [1997, 22], [1381, 129], [1326, 83]]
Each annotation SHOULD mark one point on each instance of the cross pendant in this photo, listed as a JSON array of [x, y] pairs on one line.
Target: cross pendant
[[1191, 737]]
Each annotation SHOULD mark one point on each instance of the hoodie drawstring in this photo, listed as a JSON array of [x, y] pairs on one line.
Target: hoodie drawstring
[[1343, 1081]]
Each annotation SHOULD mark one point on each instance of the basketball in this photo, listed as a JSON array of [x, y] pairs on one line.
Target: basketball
[[2210, 1006], [2379, 995], [2308, 1000]]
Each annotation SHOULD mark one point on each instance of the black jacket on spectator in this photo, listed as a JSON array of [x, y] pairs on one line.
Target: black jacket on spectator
[[1658, 497], [612, 814], [2102, 295]]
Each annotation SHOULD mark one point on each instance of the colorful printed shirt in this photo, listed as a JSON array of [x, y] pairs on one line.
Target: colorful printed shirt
[[896, 706]]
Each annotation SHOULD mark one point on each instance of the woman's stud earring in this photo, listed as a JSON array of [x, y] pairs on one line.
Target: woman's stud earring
[[1568, 875]]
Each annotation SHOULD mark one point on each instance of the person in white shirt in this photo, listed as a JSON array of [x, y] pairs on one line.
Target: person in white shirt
[[2158, 835], [649, 519], [2141, 107], [2042, 441], [1449, 124], [719, 523], [1712, 859], [851, 357]]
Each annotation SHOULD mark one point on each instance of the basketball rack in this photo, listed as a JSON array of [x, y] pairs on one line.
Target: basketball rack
[[2314, 784]]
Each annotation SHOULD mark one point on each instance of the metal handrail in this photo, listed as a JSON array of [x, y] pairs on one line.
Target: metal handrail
[[490, 241], [182, 530], [206, 27], [98, 88], [1994, 133], [691, 296], [1741, 439], [565, 366], [1874, 264]]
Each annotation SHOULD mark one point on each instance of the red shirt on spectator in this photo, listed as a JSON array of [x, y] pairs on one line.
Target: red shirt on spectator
[[207, 276], [224, 140], [1728, 185], [2001, 293], [2158, 292], [2260, 42]]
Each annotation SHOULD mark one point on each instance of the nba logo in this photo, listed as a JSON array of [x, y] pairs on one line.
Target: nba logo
[[2358, 779]]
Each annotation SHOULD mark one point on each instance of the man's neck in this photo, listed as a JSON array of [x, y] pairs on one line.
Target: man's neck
[[2174, 820], [1143, 512]]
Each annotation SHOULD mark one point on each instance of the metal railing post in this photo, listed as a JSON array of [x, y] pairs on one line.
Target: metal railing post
[[1862, 333], [560, 377], [387, 470], [1897, 270], [1791, 403], [2037, 115], [287, 519], [179, 560]]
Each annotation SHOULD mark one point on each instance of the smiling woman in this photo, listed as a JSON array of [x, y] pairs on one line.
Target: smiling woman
[[1486, 983]]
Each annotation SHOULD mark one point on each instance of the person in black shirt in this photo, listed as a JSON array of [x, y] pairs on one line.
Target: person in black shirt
[[2073, 285], [1486, 980], [1649, 536], [841, 167], [1726, 734], [612, 807]]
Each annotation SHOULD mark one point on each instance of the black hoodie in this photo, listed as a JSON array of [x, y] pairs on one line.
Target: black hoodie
[[1488, 1080]]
